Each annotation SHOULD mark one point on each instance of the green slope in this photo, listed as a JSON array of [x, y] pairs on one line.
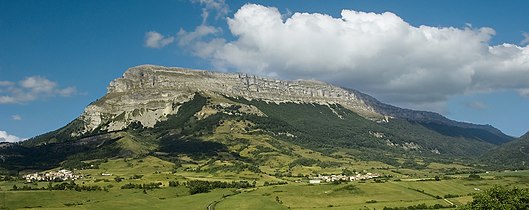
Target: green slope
[[514, 154], [287, 132]]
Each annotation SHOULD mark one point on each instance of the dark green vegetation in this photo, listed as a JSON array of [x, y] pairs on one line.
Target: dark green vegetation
[[326, 128], [500, 197], [198, 186], [514, 154], [49, 155], [231, 158], [471, 133], [60, 186]]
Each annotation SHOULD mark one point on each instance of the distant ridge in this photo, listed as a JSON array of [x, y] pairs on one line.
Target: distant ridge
[[437, 122]]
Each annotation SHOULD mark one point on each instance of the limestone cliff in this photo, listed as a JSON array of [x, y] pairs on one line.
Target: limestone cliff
[[148, 93]]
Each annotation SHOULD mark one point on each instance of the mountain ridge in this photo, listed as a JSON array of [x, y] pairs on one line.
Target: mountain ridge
[[170, 112], [165, 85], [427, 117]]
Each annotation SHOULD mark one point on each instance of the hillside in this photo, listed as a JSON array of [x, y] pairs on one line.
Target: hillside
[[437, 122], [514, 154], [247, 122]]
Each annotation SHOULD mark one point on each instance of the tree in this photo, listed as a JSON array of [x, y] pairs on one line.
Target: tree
[[500, 197], [474, 176], [347, 172]]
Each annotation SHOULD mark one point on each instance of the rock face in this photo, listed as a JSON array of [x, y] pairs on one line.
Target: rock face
[[147, 94]]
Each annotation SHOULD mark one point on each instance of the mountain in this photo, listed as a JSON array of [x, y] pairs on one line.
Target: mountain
[[514, 154], [169, 112], [438, 122]]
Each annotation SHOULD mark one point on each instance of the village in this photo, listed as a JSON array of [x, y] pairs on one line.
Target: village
[[340, 177], [61, 175]]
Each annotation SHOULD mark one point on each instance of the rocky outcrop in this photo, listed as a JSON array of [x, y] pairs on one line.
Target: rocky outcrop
[[147, 94]]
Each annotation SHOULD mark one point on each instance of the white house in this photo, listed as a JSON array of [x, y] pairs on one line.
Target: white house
[[314, 181]]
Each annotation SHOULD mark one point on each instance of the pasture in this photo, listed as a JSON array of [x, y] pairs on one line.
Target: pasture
[[400, 190]]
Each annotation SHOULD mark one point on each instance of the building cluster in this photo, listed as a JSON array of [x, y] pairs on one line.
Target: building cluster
[[61, 175], [340, 177]]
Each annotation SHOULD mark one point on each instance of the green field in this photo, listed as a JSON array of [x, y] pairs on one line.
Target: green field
[[397, 191], [114, 199]]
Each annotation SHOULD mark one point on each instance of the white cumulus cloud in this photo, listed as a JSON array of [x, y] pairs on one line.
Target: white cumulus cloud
[[5, 137], [30, 89], [381, 54], [38, 84], [154, 39]]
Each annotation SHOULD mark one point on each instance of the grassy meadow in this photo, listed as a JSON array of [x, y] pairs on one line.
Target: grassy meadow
[[405, 187]]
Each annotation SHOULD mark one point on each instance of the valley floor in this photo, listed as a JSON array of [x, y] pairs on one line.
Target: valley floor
[[418, 188]]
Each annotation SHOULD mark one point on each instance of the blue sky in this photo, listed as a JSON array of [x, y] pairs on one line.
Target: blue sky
[[58, 56]]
